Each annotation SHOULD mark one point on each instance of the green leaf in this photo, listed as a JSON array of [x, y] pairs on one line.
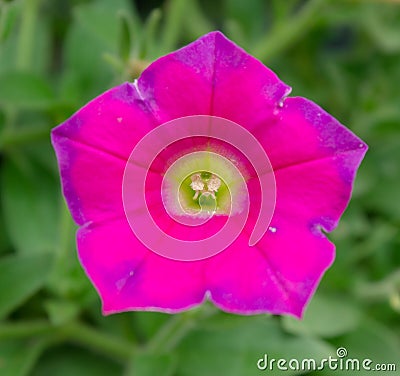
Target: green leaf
[[287, 33], [67, 361], [383, 163], [61, 311], [149, 323], [20, 278], [321, 317], [196, 23], [125, 35], [17, 358], [235, 347], [5, 243], [31, 204], [175, 16], [86, 73], [35, 56], [94, 17], [244, 16], [149, 48], [93, 36], [375, 340], [25, 90], [152, 364], [8, 15], [371, 340], [381, 21]]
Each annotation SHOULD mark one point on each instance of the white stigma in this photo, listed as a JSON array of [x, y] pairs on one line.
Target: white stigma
[[199, 184]]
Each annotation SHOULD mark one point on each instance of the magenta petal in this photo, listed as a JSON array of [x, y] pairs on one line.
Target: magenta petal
[[305, 132], [245, 90], [314, 193], [277, 276], [212, 76], [92, 148], [180, 84], [315, 160], [128, 276]]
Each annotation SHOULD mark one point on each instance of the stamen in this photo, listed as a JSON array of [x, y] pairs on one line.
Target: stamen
[[197, 183], [203, 179], [213, 184]]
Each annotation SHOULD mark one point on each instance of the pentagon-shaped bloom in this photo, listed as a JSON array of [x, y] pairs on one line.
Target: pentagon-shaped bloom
[[313, 158]]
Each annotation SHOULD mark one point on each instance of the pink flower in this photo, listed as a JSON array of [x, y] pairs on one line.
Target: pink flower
[[314, 159]]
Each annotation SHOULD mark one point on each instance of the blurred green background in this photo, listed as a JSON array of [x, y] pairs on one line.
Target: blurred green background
[[57, 55]]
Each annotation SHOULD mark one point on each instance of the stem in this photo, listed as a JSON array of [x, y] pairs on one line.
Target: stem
[[99, 341], [380, 290], [170, 334], [23, 136], [168, 337], [285, 34], [74, 332], [26, 34], [10, 330]]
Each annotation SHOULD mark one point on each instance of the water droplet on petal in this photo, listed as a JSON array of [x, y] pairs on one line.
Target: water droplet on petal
[[272, 229], [279, 106], [120, 283]]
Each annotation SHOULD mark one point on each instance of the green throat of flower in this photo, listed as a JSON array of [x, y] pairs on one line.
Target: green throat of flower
[[204, 191], [202, 184]]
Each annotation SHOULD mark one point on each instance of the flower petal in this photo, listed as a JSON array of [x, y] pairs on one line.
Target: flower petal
[[278, 275], [245, 90], [306, 132], [180, 84], [92, 148], [130, 277], [314, 193], [212, 76], [315, 160]]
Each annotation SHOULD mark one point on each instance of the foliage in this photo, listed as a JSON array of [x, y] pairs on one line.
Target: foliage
[[56, 55]]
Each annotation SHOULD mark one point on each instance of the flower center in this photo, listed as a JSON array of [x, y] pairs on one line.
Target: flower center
[[204, 193], [205, 185], [200, 185]]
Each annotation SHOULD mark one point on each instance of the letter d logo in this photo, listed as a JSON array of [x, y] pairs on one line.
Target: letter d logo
[[262, 363]]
